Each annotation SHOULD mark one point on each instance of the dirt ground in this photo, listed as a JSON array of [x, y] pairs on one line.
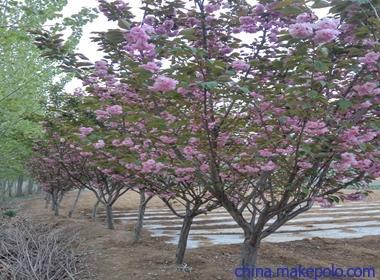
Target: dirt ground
[[112, 256]]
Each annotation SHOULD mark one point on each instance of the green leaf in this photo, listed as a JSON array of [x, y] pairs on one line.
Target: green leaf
[[320, 66], [320, 4], [209, 85], [124, 24], [344, 104], [115, 36], [245, 89], [291, 10]]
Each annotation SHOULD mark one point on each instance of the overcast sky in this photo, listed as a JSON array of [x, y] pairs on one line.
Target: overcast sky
[[101, 24]]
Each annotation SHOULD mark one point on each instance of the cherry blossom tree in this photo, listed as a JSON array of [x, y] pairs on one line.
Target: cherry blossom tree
[[46, 169]]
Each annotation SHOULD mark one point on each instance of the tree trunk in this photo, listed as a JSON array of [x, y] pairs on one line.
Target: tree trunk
[[182, 242], [110, 224], [10, 185], [140, 219], [20, 182], [249, 253], [47, 200], [30, 187], [55, 203], [75, 203], [56, 208], [94, 210]]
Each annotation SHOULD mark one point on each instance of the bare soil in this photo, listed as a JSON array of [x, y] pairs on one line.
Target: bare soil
[[112, 256]]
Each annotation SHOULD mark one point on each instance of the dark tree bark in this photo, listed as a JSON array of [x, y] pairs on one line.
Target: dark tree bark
[[10, 186], [109, 212], [47, 200], [75, 203], [140, 220], [55, 199], [30, 187], [249, 254], [182, 243], [20, 182]]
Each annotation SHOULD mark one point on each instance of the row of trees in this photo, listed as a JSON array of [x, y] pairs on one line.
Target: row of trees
[[261, 110], [21, 187], [29, 83]]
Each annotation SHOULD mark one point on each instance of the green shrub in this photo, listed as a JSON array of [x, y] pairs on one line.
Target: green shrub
[[9, 213]]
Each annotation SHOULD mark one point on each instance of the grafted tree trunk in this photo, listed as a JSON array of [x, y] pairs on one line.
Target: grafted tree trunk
[[94, 210], [109, 212], [249, 252], [20, 182], [75, 203], [182, 243], [140, 220]]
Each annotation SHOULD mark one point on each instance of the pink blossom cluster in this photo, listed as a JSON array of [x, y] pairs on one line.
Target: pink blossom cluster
[[367, 89], [166, 28], [85, 131], [115, 110], [322, 31], [101, 68], [151, 166], [150, 66], [137, 41], [240, 65], [211, 8], [100, 144], [370, 59], [316, 128], [164, 84]]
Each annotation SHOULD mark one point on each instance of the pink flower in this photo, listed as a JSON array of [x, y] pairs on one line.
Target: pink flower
[[84, 131], [348, 157], [167, 139], [326, 35], [127, 142], [370, 58], [251, 170], [266, 153], [367, 88], [99, 145], [246, 20], [269, 166], [363, 164], [184, 171], [164, 84], [148, 166], [327, 23], [259, 9], [101, 65], [151, 166], [354, 196], [210, 8], [101, 115], [301, 30], [305, 17], [304, 165], [115, 110], [151, 67], [316, 128], [188, 150], [150, 20], [240, 65]]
